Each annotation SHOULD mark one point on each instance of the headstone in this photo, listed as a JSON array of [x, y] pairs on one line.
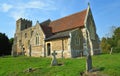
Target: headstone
[[54, 60], [111, 51], [89, 63], [88, 58]]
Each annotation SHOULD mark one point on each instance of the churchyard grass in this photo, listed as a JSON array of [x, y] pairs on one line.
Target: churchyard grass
[[18, 66]]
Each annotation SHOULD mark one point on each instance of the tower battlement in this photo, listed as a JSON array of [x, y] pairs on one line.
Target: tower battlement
[[22, 24], [24, 20]]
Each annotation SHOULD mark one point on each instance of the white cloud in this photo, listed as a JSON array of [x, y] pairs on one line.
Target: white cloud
[[43, 5], [6, 7], [20, 9], [35, 4], [18, 14]]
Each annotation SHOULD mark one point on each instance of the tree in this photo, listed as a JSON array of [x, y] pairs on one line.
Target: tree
[[11, 42], [117, 33], [4, 45], [111, 42], [105, 46]]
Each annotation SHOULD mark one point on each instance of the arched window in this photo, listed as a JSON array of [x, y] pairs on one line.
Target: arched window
[[37, 40]]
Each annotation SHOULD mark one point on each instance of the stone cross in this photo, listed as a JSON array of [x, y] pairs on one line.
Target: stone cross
[[88, 58], [54, 60]]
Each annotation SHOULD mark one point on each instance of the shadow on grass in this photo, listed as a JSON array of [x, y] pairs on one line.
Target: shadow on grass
[[98, 69], [6, 56], [101, 68], [83, 73], [60, 64]]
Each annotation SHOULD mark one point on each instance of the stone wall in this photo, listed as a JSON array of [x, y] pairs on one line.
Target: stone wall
[[30, 40], [93, 39], [25, 43], [76, 43], [60, 45], [37, 42], [26, 37]]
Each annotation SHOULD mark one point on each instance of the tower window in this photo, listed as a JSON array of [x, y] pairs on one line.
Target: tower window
[[25, 35]]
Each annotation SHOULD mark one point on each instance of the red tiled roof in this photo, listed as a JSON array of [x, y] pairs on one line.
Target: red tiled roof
[[68, 22]]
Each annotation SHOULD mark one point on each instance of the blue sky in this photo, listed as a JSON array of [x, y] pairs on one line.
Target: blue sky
[[106, 13]]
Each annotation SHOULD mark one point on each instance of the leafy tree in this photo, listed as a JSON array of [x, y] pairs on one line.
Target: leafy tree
[[105, 46], [11, 42], [117, 33], [111, 42], [4, 45]]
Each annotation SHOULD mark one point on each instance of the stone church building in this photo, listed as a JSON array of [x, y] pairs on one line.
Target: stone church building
[[66, 36]]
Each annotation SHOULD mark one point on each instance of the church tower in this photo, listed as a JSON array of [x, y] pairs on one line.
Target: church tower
[[22, 24]]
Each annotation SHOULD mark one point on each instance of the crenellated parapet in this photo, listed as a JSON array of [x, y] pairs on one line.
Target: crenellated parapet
[[24, 20], [22, 24]]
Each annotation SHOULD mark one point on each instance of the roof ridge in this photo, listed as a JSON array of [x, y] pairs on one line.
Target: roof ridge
[[69, 15], [72, 21]]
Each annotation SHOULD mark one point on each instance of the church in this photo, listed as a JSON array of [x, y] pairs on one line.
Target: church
[[66, 36]]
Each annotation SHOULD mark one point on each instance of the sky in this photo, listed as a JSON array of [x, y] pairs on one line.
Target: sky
[[106, 13]]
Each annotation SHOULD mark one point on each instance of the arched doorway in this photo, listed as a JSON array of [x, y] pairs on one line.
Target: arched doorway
[[48, 49]]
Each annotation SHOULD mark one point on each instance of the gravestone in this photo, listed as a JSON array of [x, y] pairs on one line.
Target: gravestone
[[54, 60], [88, 58], [111, 51], [89, 63]]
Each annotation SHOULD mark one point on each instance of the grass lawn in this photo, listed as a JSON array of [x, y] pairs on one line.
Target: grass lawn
[[17, 66]]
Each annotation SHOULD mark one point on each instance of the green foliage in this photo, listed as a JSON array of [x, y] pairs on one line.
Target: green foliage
[[117, 33], [105, 46], [17, 66], [116, 50], [111, 42], [4, 45], [11, 42]]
